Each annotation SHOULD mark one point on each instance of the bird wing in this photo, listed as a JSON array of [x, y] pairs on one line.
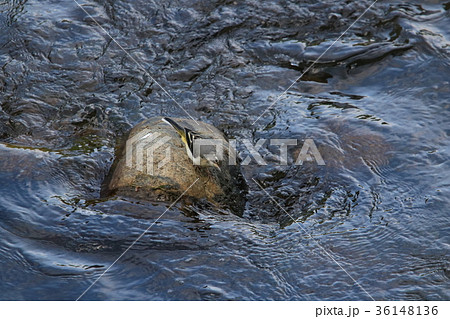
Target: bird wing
[[190, 137]]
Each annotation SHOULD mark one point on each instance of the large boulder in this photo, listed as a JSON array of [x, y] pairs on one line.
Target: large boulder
[[153, 164]]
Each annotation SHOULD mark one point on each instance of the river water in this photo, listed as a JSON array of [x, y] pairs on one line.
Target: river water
[[376, 104]]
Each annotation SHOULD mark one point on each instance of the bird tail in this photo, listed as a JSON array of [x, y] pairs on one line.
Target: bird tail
[[174, 124]]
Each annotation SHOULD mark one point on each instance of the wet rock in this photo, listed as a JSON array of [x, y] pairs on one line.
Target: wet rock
[[352, 147], [153, 164]]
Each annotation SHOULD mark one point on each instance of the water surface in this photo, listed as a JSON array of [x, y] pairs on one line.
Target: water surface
[[376, 104]]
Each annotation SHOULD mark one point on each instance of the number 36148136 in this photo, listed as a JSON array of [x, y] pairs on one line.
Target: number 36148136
[[407, 310]]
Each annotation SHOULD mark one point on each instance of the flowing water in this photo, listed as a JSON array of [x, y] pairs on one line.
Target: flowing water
[[376, 105]]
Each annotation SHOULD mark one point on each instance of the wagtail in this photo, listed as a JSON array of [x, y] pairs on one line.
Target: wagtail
[[189, 138]]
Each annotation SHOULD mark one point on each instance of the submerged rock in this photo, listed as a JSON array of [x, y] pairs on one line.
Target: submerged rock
[[153, 164]]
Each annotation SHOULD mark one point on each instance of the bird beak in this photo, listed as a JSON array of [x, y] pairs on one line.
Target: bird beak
[[217, 166]]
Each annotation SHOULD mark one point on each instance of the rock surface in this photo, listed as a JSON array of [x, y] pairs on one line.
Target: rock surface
[[153, 164]]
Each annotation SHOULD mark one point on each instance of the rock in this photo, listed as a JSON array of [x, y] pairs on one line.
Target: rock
[[353, 147], [153, 164]]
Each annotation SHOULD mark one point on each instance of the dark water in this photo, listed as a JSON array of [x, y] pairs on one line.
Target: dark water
[[376, 104]]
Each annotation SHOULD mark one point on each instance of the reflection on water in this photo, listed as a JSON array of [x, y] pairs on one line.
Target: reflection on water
[[376, 105]]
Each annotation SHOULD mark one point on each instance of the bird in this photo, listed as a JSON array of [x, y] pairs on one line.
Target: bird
[[189, 137]]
